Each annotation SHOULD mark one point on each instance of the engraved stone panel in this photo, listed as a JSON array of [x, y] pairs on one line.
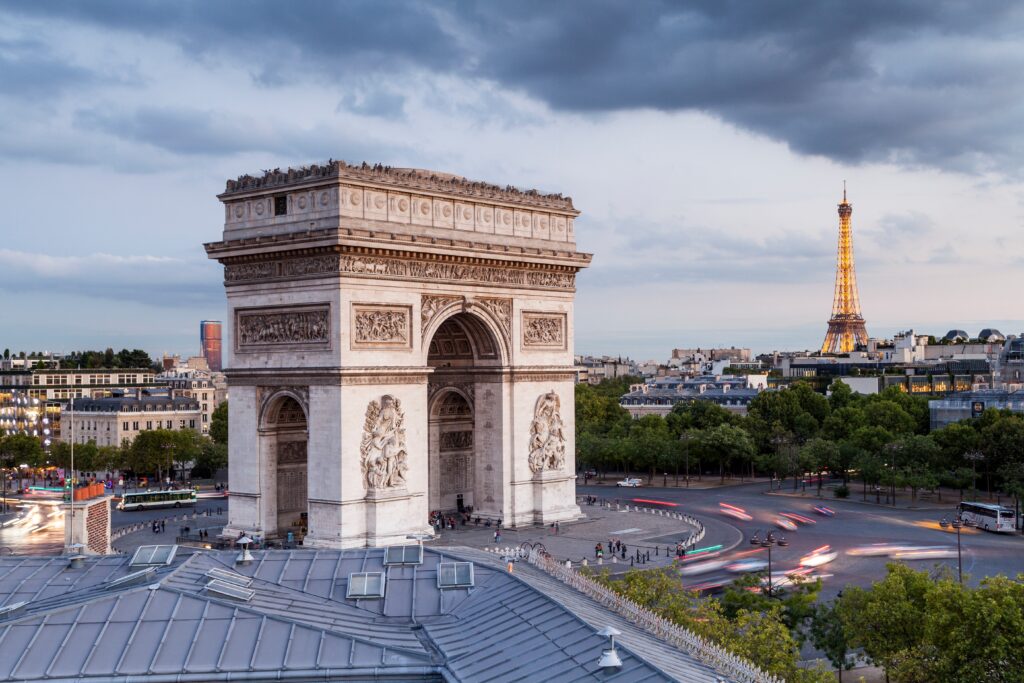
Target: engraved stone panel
[[289, 452], [522, 224], [299, 326], [463, 216], [484, 219], [458, 440], [351, 203], [456, 474], [381, 326], [444, 213], [241, 272], [541, 226], [376, 204], [503, 221], [422, 210], [544, 330], [399, 208]]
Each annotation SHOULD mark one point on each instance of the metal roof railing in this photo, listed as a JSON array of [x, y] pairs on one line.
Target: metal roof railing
[[714, 655]]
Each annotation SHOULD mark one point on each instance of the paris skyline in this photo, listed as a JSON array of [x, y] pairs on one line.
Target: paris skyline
[[705, 147]]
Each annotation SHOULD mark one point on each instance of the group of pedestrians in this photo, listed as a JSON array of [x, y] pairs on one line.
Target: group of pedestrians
[[159, 526]]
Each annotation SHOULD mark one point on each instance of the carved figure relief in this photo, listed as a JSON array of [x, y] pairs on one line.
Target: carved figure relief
[[382, 450], [544, 330], [289, 452], [547, 440], [255, 328], [502, 311], [381, 326], [453, 441], [430, 306]]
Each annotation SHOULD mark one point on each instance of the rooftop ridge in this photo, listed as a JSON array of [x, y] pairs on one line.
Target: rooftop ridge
[[404, 177]]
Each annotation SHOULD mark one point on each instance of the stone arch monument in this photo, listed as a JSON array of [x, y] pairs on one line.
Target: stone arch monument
[[402, 342]]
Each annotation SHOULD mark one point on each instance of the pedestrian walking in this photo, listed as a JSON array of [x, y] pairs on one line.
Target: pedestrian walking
[[497, 536]]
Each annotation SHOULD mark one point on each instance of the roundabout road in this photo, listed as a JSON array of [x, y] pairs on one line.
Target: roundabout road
[[855, 525]]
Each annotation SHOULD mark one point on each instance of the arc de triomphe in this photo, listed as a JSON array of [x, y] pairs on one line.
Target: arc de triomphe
[[402, 342]]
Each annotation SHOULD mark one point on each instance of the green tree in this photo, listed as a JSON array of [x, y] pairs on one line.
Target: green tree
[[1003, 444], [828, 634], [213, 456], [821, 454], [726, 444], [219, 424], [888, 619]]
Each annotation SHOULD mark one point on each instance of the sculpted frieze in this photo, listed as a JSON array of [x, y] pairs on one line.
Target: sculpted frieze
[[452, 441], [547, 441], [260, 328], [381, 325], [382, 450], [384, 266], [544, 330]]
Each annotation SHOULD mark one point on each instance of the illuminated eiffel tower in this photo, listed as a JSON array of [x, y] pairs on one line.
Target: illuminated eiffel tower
[[846, 327]]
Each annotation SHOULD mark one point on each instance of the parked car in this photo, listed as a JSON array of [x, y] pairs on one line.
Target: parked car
[[628, 482]]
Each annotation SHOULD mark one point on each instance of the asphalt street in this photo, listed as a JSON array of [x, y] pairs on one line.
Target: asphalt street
[[855, 525]]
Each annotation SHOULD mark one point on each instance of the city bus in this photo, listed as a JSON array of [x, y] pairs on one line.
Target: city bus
[[987, 516], [157, 499]]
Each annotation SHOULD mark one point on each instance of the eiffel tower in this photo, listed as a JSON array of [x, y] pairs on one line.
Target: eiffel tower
[[846, 327]]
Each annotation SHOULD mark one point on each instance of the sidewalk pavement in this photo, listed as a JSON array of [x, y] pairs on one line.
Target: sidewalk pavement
[[654, 532], [710, 481], [127, 539]]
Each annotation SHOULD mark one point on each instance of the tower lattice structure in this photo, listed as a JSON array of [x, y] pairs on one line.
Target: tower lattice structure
[[846, 327]]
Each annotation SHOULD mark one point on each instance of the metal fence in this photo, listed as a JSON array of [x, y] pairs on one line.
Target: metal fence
[[733, 666]]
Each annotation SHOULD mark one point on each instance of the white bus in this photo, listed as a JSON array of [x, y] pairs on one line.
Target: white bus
[[987, 516], [157, 499]]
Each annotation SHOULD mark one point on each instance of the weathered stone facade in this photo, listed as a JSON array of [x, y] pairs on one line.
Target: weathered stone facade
[[402, 342]]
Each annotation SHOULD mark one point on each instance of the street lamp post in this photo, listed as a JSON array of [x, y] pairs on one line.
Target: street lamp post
[[685, 437], [768, 542], [893, 447], [974, 457]]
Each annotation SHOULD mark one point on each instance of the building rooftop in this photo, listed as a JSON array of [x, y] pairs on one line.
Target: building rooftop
[[400, 177], [134, 404], [285, 616]]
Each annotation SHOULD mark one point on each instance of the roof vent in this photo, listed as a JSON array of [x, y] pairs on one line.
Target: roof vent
[[129, 579], [403, 554], [230, 590], [153, 555], [12, 610], [455, 575], [365, 585], [77, 561], [610, 659]]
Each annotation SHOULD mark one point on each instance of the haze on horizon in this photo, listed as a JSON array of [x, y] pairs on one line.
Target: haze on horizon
[[705, 143]]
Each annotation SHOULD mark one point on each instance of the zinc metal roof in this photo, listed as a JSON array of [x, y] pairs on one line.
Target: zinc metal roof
[[299, 625]]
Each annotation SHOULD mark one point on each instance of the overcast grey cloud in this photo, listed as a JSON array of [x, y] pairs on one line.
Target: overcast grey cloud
[[919, 82], [705, 142]]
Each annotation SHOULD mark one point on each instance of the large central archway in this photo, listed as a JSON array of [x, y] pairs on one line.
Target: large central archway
[[464, 415]]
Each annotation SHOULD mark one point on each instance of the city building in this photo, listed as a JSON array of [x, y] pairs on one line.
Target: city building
[[53, 387], [594, 369], [207, 388], [972, 404], [115, 420], [846, 329], [416, 614], [210, 343], [657, 396]]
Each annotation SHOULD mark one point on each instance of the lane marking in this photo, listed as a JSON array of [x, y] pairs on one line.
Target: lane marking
[[625, 531]]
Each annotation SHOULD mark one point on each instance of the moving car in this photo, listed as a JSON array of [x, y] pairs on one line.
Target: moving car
[[629, 482]]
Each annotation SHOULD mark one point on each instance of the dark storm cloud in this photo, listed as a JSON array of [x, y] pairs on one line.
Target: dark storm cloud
[[915, 83]]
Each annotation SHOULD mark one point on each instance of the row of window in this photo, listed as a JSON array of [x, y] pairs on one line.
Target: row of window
[[149, 425], [92, 379]]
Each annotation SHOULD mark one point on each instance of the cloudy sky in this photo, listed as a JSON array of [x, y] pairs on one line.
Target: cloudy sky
[[705, 142]]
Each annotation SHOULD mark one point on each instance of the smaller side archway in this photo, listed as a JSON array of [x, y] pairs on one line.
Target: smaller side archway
[[284, 435]]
